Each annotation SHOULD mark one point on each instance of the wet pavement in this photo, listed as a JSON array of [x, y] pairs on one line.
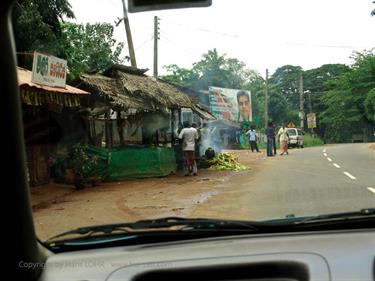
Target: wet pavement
[[58, 208]]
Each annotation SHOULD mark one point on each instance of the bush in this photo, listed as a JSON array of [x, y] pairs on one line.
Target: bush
[[310, 140], [83, 165]]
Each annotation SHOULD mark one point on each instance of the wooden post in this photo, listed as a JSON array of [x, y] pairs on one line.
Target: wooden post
[[108, 130], [173, 125], [266, 101], [156, 38], [120, 127], [129, 36], [301, 102]]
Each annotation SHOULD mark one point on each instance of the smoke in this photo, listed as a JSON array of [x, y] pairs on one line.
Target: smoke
[[210, 137], [153, 122]]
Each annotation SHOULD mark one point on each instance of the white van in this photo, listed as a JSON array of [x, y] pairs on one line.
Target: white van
[[296, 138]]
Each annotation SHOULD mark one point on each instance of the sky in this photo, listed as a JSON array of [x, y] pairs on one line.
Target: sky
[[264, 34]]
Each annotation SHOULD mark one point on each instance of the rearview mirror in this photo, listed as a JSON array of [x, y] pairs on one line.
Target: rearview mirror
[[152, 5]]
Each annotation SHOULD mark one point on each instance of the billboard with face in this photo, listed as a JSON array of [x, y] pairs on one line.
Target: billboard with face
[[230, 104]]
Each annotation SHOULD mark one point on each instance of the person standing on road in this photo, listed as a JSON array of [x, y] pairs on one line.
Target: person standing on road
[[253, 138], [283, 138], [274, 137], [270, 133], [189, 135]]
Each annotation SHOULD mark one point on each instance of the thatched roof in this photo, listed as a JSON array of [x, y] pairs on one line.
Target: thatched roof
[[126, 87]]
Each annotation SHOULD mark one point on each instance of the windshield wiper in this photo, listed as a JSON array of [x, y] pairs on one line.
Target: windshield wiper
[[363, 213], [163, 224], [204, 227]]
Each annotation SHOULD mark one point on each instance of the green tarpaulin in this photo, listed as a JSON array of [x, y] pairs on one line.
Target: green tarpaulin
[[133, 162]]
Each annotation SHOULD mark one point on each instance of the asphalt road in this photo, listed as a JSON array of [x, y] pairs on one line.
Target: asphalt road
[[319, 180]]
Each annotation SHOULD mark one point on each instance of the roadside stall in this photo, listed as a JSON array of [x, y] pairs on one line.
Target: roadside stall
[[133, 119], [50, 115]]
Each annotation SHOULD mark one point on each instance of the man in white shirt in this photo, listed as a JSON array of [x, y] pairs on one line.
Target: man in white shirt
[[253, 137], [189, 135]]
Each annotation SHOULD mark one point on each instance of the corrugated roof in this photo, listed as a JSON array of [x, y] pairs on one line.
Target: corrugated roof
[[24, 80]]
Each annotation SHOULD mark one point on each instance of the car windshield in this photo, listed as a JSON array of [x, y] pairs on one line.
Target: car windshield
[[182, 112]]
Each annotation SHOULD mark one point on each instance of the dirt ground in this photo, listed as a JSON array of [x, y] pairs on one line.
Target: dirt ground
[[58, 208]]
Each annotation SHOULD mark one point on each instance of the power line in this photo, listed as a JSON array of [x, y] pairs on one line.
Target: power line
[[144, 43], [323, 45], [115, 4], [186, 50]]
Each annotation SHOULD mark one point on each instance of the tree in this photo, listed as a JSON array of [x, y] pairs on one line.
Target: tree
[[36, 25], [316, 82], [210, 70], [219, 71], [348, 104], [279, 110], [373, 11], [256, 85], [285, 80], [181, 76], [283, 94], [370, 105], [213, 69], [90, 47]]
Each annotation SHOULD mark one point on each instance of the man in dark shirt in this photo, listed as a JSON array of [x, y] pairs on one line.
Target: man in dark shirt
[[274, 137], [270, 133]]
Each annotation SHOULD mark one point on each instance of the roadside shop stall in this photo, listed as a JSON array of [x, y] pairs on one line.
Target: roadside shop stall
[[133, 119], [51, 120]]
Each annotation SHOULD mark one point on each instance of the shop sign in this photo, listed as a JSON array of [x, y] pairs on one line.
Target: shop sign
[[49, 70]]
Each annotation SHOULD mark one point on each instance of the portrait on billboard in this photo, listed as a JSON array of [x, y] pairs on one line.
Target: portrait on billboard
[[244, 106], [230, 104]]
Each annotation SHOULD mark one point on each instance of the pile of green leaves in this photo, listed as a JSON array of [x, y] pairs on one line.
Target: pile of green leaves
[[227, 161], [83, 163]]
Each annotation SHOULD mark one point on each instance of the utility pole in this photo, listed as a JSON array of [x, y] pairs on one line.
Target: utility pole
[[301, 110], [266, 101], [310, 108], [156, 38], [309, 96], [129, 36]]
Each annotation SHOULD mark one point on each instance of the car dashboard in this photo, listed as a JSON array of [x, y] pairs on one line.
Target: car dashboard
[[331, 255]]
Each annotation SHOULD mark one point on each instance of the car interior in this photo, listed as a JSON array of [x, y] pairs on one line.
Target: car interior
[[314, 251]]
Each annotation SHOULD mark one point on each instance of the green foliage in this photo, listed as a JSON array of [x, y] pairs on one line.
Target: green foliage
[[89, 47], [227, 161], [310, 141], [370, 105], [279, 109], [348, 103], [218, 70], [285, 81], [213, 70], [315, 80], [82, 163], [180, 76], [341, 96], [36, 25]]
